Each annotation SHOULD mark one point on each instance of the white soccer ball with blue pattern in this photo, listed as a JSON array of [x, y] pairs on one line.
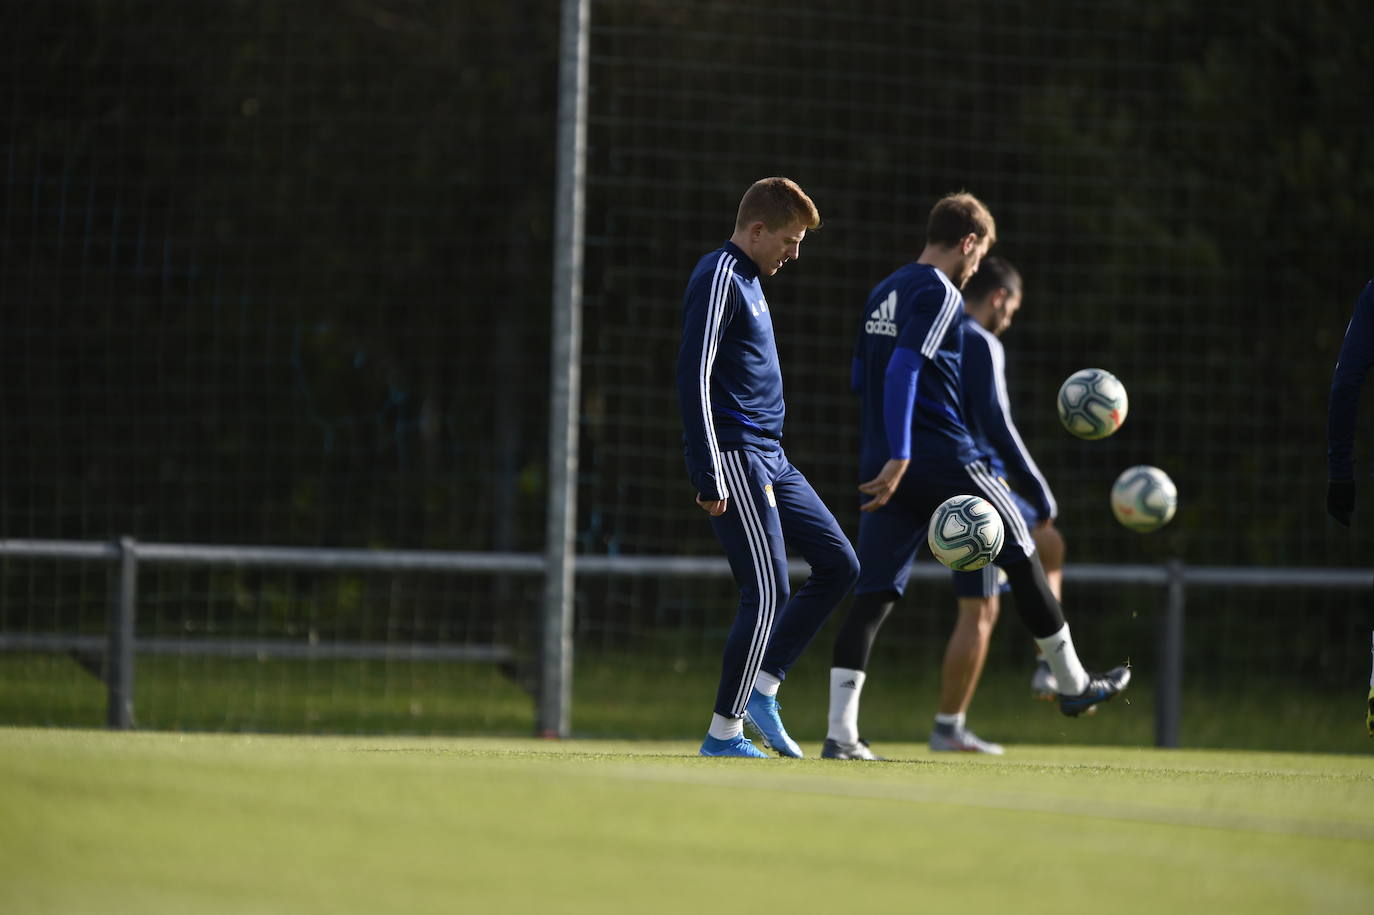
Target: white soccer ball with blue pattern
[[965, 533], [1144, 499], [1092, 403]]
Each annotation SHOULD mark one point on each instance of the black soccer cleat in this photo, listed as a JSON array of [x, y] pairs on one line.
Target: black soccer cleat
[[833, 749], [1101, 688]]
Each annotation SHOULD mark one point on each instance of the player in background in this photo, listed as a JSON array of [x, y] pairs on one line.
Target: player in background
[[992, 297], [1356, 358], [730, 392], [916, 451]]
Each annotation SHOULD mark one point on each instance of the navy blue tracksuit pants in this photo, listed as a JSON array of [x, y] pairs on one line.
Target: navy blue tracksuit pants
[[771, 507]]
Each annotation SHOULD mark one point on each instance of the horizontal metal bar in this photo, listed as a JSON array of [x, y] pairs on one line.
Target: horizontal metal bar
[[43, 641], [263, 648], [1261, 577], [670, 566], [60, 549], [337, 559], [1117, 574]]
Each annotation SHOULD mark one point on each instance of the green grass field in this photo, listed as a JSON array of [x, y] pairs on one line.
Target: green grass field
[[148, 822], [659, 697]]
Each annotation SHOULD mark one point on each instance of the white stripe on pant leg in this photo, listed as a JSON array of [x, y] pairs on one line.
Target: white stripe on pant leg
[[763, 570], [754, 529], [993, 490], [763, 624], [757, 539]]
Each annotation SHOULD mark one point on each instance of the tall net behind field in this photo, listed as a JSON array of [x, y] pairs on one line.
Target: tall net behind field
[[280, 274], [1163, 222], [267, 277], [274, 274]]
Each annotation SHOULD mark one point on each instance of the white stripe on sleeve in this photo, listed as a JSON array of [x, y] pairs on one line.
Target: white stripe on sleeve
[[715, 312]]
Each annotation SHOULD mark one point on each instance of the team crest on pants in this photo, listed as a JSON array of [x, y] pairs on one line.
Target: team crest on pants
[[768, 491]]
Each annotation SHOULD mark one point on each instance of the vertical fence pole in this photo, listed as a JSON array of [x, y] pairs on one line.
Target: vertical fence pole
[[120, 656], [1169, 688], [555, 691]]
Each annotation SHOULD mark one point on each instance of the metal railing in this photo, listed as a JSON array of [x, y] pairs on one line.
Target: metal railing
[[121, 643]]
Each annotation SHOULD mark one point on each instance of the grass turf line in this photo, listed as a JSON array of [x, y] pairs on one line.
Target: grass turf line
[[155, 822]]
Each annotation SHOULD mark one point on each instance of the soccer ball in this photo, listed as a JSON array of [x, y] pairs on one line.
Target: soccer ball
[[1092, 403], [1144, 498], [965, 533]]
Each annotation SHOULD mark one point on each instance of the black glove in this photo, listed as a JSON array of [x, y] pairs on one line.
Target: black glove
[[1340, 500]]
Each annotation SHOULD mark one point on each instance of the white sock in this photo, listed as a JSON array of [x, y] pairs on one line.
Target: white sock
[[845, 687], [1068, 670], [766, 683], [723, 728], [955, 721]]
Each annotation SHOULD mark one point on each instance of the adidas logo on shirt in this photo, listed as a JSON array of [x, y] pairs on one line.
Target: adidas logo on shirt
[[880, 322]]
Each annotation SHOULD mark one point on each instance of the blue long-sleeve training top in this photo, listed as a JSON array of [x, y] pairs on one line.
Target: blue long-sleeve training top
[[729, 382], [1357, 355], [906, 370]]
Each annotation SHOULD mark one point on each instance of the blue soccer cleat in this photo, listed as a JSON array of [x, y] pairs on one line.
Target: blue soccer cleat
[[761, 714], [1101, 687], [735, 746]]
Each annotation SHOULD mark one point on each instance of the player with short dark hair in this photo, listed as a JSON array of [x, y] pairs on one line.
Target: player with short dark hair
[[916, 451], [730, 393], [992, 298]]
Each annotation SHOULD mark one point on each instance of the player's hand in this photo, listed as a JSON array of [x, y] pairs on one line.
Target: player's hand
[[714, 507], [1340, 500], [884, 484]]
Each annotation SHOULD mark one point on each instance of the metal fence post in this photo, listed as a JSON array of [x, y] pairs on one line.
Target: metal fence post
[[555, 679], [1169, 688], [120, 654]]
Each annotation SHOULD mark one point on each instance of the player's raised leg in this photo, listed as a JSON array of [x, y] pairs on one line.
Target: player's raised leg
[[1049, 546], [1079, 691]]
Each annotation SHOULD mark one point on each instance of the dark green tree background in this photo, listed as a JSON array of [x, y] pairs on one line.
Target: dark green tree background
[[279, 272]]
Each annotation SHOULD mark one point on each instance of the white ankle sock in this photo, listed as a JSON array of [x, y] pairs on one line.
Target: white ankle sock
[[723, 728], [1063, 660], [845, 687], [766, 683], [955, 721]]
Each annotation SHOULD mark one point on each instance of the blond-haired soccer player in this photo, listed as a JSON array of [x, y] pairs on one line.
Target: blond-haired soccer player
[[916, 451], [730, 392]]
